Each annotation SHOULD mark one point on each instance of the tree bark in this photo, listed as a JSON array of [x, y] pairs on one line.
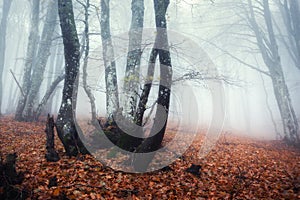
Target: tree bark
[[132, 72], [49, 92], [153, 142], [41, 60], [65, 124], [30, 56], [51, 154], [272, 60], [111, 81], [86, 88], [3, 27]]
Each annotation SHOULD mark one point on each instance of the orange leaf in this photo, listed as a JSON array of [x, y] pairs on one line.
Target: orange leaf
[[56, 192]]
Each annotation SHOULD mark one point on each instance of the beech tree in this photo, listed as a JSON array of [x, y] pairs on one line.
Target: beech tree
[[32, 45], [65, 123], [111, 81], [40, 61], [132, 71], [268, 47]]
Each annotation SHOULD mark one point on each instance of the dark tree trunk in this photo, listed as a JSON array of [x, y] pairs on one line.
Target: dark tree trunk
[[153, 142], [3, 27], [65, 123], [51, 154], [9, 177]]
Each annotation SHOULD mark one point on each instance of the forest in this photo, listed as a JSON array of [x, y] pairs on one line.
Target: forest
[[182, 99]]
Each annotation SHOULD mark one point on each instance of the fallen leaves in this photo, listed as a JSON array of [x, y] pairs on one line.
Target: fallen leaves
[[239, 168]]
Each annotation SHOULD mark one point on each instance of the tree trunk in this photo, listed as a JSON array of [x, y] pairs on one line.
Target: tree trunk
[[51, 154], [49, 92], [295, 18], [153, 142], [30, 56], [3, 27], [85, 63], [65, 124], [271, 58], [112, 96], [132, 73], [41, 60]]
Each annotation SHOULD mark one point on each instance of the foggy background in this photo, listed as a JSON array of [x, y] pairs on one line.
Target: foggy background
[[205, 23]]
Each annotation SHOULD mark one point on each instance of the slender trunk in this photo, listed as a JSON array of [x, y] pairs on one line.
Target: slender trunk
[[85, 64], [132, 73], [112, 96], [65, 124], [295, 16], [51, 73], [153, 142], [46, 97], [30, 56], [55, 99], [41, 60], [278, 135], [3, 27]]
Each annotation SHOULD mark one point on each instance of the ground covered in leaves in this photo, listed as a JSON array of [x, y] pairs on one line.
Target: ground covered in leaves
[[238, 168]]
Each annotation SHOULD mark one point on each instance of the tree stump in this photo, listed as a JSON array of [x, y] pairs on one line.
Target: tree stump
[[51, 155]]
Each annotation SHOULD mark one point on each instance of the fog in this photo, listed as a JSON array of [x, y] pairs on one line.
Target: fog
[[204, 36]]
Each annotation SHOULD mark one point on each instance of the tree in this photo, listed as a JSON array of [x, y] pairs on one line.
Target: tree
[[30, 55], [40, 61], [153, 142], [132, 71], [111, 82], [65, 123], [3, 27], [86, 47], [269, 50], [290, 13]]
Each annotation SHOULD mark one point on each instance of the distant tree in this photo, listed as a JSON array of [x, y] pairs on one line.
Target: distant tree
[[31, 51], [86, 48], [290, 12], [268, 46], [65, 123], [40, 61], [3, 27]]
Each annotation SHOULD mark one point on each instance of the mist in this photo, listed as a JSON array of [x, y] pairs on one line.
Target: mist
[[214, 28]]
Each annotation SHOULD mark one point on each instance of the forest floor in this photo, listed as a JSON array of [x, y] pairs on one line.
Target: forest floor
[[237, 168]]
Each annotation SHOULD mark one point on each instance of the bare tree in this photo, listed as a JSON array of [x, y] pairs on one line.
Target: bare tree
[[132, 72], [3, 27], [112, 94], [65, 123], [86, 47], [267, 44], [153, 142], [41, 61], [30, 55]]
